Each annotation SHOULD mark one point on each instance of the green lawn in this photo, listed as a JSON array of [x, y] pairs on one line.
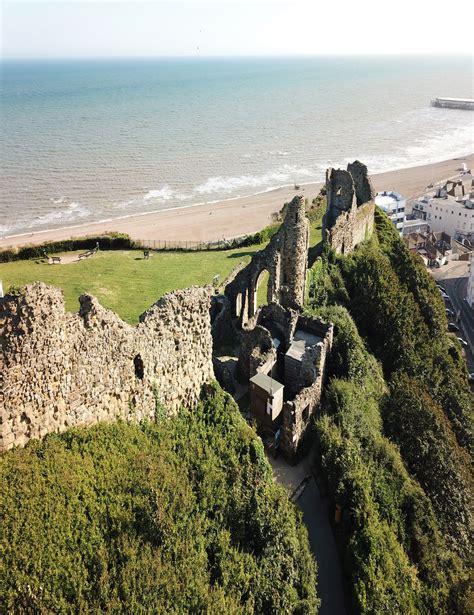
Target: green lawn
[[126, 283], [122, 280], [315, 233]]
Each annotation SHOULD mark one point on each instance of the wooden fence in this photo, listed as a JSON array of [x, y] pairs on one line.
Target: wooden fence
[[189, 246]]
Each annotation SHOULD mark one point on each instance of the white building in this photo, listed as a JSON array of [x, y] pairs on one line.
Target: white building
[[415, 225], [470, 284], [447, 213], [393, 204]]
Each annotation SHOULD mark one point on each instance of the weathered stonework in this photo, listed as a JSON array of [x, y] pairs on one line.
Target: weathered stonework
[[285, 258], [257, 353], [349, 217], [298, 412], [303, 393], [60, 370]]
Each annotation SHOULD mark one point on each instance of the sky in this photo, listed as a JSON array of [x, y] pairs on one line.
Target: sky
[[72, 28]]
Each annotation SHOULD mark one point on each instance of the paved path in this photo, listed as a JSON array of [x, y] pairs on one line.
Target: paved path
[[323, 545], [321, 539]]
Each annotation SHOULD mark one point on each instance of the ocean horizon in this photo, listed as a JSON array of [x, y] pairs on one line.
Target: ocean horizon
[[88, 140]]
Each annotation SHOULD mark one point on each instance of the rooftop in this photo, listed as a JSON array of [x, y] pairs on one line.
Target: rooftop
[[270, 385], [387, 196], [296, 350], [448, 201]]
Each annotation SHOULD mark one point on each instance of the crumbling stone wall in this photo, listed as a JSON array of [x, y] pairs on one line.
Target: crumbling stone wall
[[60, 370], [285, 258], [256, 354], [349, 218], [297, 413]]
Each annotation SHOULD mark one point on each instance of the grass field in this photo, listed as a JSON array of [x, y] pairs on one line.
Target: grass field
[[126, 283], [122, 280]]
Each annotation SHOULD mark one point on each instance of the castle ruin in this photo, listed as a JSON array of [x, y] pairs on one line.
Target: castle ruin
[[60, 370], [285, 259], [349, 218]]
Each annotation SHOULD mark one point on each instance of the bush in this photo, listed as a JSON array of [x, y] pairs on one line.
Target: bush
[[176, 516], [394, 553], [112, 241]]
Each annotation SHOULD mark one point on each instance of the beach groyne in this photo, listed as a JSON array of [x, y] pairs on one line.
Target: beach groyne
[[454, 103]]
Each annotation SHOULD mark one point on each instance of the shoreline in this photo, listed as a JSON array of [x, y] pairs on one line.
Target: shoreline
[[235, 216]]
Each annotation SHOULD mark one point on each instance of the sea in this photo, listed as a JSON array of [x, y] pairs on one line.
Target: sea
[[90, 140]]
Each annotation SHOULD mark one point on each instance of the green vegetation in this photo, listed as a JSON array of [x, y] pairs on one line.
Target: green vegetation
[[394, 436], [126, 283], [262, 289], [179, 516], [111, 241], [122, 280], [182, 515]]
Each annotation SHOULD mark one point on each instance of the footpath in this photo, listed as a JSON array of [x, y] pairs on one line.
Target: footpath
[[300, 483]]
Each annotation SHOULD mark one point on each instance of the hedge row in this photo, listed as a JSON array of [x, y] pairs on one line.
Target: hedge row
[[112, 241], [122, 241]]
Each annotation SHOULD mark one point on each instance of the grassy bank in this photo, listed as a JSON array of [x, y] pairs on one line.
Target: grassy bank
[[122, 280], [175, 516], [126, 283]]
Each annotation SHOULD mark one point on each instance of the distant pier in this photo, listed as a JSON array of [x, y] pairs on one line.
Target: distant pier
[[454, 103]]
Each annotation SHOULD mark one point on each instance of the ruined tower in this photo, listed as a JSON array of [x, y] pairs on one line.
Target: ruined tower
[[294, 255], [284, 258], [349, 217]]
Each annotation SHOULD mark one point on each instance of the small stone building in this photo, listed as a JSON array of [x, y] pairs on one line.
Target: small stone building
[[266, 399], [285, 351]]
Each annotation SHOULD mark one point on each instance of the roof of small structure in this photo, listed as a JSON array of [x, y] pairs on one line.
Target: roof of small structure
[[270, 385], [296, 350]]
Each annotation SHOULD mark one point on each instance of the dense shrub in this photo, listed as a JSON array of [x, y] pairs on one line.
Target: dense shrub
[[395, 555], [428, 445], [179, 516], [112, 241], [399, 311], [257, 238]]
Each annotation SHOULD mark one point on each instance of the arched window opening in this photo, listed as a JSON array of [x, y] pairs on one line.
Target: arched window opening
[[261, 289], [238, 304]]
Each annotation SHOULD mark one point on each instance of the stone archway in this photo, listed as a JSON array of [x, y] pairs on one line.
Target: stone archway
[[256, 298], [238, 305]]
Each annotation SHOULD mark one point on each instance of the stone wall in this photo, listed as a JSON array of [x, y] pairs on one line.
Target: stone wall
[[349, 218], [285, 258], [298, 412], [256, 353], [60, 370]]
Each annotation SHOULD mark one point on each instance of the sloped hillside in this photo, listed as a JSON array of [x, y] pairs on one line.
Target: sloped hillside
[[176, 516], [394, 437]]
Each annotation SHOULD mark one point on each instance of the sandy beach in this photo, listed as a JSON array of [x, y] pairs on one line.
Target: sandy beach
[[236, 217]]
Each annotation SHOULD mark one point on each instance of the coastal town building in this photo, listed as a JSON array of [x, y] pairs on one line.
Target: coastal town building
[[394, 205], [412, 224], [434, 248], [450, 208]]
